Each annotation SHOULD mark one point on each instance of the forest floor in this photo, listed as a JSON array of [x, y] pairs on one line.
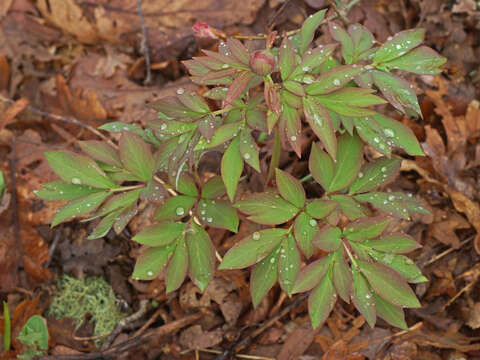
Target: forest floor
[[69, 66]]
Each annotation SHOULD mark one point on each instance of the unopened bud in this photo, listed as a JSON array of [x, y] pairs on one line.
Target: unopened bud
[[262, 62]]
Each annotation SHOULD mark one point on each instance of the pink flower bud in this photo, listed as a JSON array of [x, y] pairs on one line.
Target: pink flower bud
[[203, 30], [262, 62]]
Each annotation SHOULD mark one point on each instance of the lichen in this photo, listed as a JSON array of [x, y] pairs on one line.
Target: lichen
[[92, 295]]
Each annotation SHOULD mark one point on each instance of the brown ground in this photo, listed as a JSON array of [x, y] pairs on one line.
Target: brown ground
[[65, 62]]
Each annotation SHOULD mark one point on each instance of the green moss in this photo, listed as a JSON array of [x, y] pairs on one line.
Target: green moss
[[91, 295]]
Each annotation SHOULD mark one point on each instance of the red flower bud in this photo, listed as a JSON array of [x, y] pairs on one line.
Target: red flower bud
[[262, 62], [204, 30]]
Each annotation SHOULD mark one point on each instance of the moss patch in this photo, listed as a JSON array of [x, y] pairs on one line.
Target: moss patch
[[91, 295]]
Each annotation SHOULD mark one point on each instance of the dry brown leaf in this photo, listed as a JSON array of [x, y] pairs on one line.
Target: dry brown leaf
[[196, 338], [68, 16], [16, 108], [4, 7], [337, 351], [297, 343]]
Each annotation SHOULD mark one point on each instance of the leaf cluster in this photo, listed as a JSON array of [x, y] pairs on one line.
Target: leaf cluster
[[255, 104]]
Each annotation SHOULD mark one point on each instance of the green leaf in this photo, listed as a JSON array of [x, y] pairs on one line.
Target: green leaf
[[294, 87], [118, 127], [79, 207], [340, 35], [290, 121], [136, 156], [334, 79], [151, 262], [395, 204], [34, 333], [362, 298], [393, 243], [363, 229], [186, 185], [328, 238], [238, 86], [372, 133], [401, 264], [104, 226], [101, 151], [178, 266], [305, 228], [399, 134], [154, 192], [362, 38], [319, 120], [78, 169], [310, 275], [320, 166], [170, 127], [232, 167], [122, 200], [351, 209], [286, 58], [263, 277], [311, 60], [349, 96], [342, 275], [220, 136], [201, 256], [124, 218], [321, 301], [59, 190], [374, 174], [194, 102], [267, 209], [238, 50], [318, 208], [252, 249], [290, 188], [3, 185], [288, 264], [349, 161], [248, 149], [308, 28], [399, 45], [160, 234], [218, 213], [213, 188], [388, 284], [173, 108], [390, 313], [422, 60], [175, 208], [398, 92]]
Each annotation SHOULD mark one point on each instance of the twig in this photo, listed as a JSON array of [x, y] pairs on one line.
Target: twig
[[240, 356], [448, 251], [122, 348], [62, 119], [52, 248], [249, 338], [144, 45], [340, 12], [124, 322]]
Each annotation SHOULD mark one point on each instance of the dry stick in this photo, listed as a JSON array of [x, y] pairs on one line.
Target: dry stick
[[448, 251], [144, 45], [249, 338], [122, 348], [63, 119], [124, 322]]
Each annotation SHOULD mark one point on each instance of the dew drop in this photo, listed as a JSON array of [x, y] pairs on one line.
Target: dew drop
[[76, 181], [180, 211], [293, 138], [376, 139], [150, 273], [256, 235], [383, 169], [163, 127], [389, 132], [180, 91], [336, 82], [209, 219], [246, 156], [272, 260], [313, 222], [360, 175], [391, 198]]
